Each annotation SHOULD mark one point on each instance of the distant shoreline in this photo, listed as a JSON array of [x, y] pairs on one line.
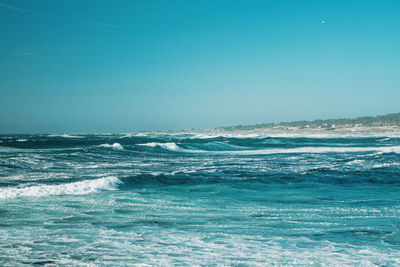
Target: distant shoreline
[[269, 131], [335, 130], [383, 124]]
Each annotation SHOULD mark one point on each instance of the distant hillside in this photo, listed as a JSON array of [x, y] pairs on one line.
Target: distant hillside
[[378, 121]]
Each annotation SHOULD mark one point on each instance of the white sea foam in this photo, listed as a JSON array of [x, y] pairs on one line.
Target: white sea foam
[[170, 145], [381, 165], [129, 135], [21, 140], [228, 135], [393, 149], [311, 149], [356, 162], [380, 150], [293, 135], [64, 135], [114, 146], [77, 188]]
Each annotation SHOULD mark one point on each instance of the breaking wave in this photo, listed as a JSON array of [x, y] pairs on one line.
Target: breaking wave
[[175, 195], [169, 146], [114, 146], [77, 188], [221, 148], [384, 165], [65, 136], [392, 149]]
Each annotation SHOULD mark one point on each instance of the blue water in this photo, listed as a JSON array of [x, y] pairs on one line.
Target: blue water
[[192, 199]]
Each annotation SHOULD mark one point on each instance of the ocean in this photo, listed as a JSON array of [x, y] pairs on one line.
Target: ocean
[[199, 199]]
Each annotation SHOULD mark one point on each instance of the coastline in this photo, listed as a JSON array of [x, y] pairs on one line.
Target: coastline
[[357, 130]]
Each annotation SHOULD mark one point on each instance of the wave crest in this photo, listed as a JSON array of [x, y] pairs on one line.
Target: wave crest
[[77, 188], [65, 135], [393, 149], [169, 146], [114, 146]]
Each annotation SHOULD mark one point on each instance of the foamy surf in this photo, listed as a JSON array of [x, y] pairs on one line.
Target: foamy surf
[[300, 150], [304, 150], [385, 165], [77, 188], [114, 146], [169, 146], [292, 135], [65, 135], [182, 196], [228, 135]]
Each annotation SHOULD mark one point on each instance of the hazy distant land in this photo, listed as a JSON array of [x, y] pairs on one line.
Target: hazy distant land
[[389, 123], [377, 124]]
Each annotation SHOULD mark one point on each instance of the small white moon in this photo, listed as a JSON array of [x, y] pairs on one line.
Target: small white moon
[[323, 21]]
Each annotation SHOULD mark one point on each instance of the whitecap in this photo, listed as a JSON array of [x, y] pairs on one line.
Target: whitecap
[[356, 162], [382, 165], [129, 135], [293, 135], [299, 150], [77, 188], [114, 146], [64, 135], [169, 146], [394, 149], [228, 135]]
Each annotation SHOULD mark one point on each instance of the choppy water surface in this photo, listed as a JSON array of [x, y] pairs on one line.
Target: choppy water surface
[[195, 199]]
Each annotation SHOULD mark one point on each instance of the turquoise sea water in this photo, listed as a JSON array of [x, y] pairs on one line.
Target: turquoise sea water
[[193, 199]]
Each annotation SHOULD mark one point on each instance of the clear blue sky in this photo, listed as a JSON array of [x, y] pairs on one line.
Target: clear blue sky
[[118, 66]]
